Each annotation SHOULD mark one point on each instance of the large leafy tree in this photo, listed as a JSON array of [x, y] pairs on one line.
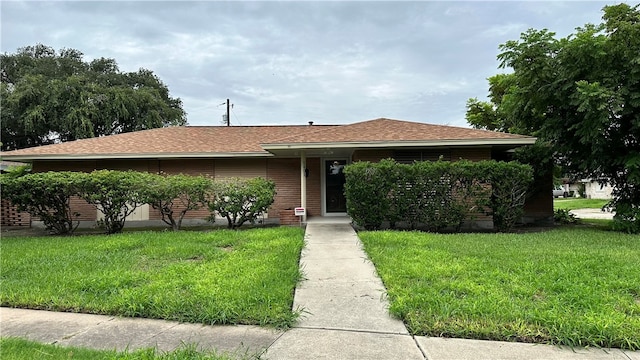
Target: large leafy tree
[[50, 96], [581, 95]]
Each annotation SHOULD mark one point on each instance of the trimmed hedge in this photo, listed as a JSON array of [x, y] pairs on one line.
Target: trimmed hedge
[[175, 195], [44, 195], [118, 193], [439, 195], [241, 200]]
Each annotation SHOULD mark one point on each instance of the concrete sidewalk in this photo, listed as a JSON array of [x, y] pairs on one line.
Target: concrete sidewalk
[[109, 332], [345, 317]]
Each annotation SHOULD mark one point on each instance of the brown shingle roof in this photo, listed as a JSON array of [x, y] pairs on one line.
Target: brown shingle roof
[[173, 140], [191, 141], [388, 130]]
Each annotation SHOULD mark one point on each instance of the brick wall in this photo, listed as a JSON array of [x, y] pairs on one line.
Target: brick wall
[[193, 167], [473, 154], [243, 168], [87, 211], [10, 216], [371, 155], [286, 174], [314, 184], [79, 165]]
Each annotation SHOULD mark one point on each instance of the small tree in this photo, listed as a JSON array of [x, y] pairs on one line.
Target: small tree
[[44, 195], [241, 200], [175, 195], [116, 194]]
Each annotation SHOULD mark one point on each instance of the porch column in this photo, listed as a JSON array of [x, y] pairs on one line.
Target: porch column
[[303, 184]]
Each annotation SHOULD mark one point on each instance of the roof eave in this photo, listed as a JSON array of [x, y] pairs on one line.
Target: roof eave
[[395, 144], [134, 156]]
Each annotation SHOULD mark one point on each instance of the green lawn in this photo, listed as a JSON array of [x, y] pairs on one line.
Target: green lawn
[[578, 203], [20, 349], [217, 277], [572, 286]]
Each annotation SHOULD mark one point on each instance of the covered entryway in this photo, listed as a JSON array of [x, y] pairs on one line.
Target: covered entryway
[[335, 202]]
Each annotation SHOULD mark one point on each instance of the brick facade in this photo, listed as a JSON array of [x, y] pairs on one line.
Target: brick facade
[[285, 172], [10, 216], [371, 155]]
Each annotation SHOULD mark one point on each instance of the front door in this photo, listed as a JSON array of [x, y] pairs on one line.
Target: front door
[[335, 202]]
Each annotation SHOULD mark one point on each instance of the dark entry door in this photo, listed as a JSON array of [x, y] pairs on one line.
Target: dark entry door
[[334, 186]]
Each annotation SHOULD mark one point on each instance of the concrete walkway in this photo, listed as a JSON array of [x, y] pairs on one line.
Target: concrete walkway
[[592, 214], [345, 317]]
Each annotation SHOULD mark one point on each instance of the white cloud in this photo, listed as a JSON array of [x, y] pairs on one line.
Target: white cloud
[[500, 30], [290, 62]]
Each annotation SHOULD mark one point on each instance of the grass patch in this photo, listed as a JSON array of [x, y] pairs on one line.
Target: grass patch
[[578, 203], [218, 277], [571, 286], [20, 349], [601, 224]]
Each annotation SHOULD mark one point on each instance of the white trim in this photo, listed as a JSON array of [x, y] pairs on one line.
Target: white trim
[[395, 144], [276, 146], [158, 156], [303, 184]]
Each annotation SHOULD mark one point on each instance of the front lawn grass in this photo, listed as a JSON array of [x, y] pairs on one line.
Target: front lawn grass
[[20, 349], [571, 286], [578, 203], [218, 277]]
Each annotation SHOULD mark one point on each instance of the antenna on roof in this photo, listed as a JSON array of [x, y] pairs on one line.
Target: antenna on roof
[[226, 120]]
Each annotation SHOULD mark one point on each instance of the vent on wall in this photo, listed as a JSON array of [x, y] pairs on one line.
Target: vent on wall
[[410, 156]]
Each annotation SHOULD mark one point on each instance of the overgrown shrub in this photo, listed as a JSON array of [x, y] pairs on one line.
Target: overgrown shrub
[[116, 194], [44, 195], [367, 189], [446, 187], [627, 217], [438, 195], [175, 195], [509, 184], [241, 200], [563, 216]]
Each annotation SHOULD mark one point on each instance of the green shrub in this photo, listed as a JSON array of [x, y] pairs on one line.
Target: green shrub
[[438, 195], [627, 217], [44, 195], [367, 189], [241, 200], [175, 195], [563, 216], [442, 195], [509, 184], [114, 193]]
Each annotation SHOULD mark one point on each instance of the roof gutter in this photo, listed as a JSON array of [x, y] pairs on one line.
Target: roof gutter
[[134, 156], [395, 144]]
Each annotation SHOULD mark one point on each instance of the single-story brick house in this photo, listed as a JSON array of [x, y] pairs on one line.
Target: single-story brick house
[[301, 159]]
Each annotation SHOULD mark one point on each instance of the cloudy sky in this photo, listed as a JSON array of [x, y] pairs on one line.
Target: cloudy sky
[[293, 62]]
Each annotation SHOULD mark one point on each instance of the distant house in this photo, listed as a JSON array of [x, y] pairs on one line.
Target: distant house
[[7, 165], [300, 159], [592, 188]]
